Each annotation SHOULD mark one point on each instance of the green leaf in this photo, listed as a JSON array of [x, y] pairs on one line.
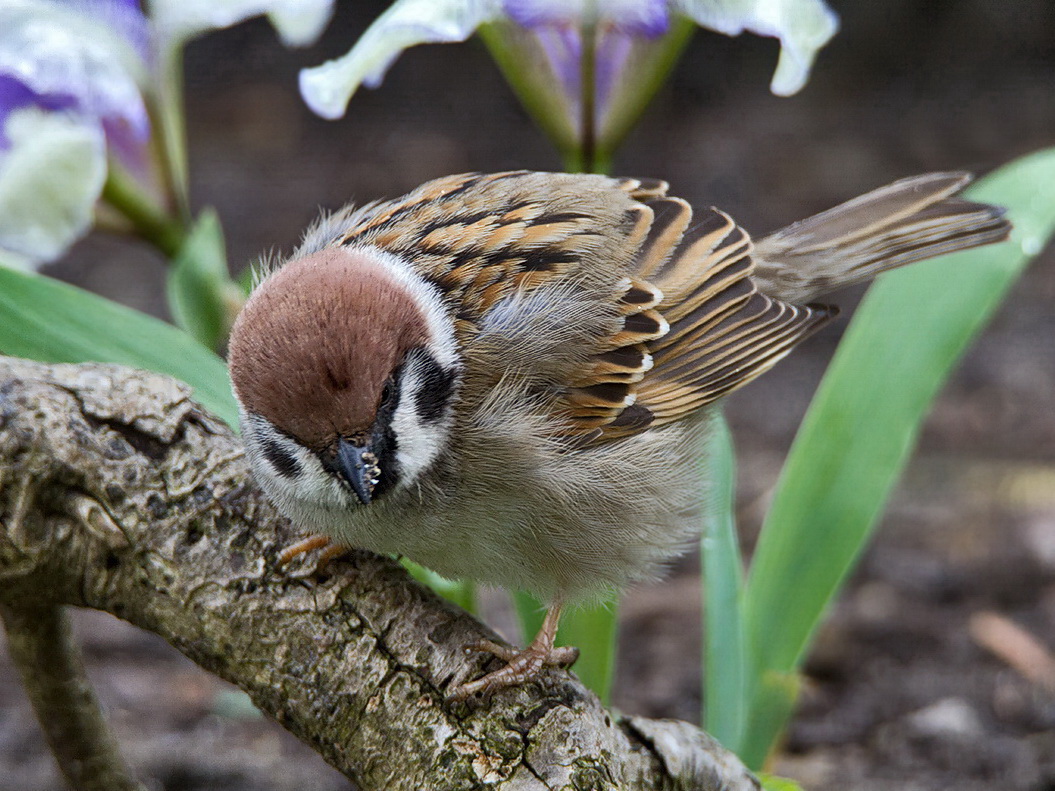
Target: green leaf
[[43, 319], [460, 592], [245, 280], [773, 697], [861, 427], [201, 295], [593, 630], [774, 783], [530, 612], [725, 699]]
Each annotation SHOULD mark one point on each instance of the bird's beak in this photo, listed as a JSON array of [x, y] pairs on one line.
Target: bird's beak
[[358, 465]]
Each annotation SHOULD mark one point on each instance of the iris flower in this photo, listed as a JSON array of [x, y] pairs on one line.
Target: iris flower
[[70, 84], [584, 68], [79, 82]]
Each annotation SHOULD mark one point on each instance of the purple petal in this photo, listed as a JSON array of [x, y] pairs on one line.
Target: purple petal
[[82, 56], [49, 184], [531, 13], [612, 52], [127, 142], [562, 47], [648, 18], [15, 95]]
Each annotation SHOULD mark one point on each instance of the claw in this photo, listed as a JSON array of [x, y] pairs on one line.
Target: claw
[[522, 665], [504, 652], [302, 547], [330, 551]]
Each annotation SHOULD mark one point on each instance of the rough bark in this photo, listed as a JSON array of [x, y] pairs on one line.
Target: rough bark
[[118, 492]]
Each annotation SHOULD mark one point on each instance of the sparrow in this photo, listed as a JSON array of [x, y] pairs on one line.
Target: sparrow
[[510, 377]]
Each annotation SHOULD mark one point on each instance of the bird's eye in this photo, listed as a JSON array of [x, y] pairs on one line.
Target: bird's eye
[[386, 394]]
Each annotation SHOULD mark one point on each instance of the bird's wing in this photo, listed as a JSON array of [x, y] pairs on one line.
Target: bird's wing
[[694, 326], [722, 331], [912, 219]]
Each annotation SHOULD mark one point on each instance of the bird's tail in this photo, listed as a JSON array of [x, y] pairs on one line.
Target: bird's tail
[[903, 222]]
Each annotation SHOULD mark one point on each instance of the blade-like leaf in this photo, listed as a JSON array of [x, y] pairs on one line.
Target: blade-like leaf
[[460, 592], [774, 783], [863, 422], [725, 701], [201, 295], [593, 630], [43, 319], [530, 612]]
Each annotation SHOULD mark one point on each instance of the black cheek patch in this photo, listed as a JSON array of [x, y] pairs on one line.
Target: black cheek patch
[[385, 448], [437, 386], [383, 439], [284, 462]]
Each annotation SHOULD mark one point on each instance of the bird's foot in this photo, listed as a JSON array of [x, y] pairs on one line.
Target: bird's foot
[[329, 549], [523, 665]]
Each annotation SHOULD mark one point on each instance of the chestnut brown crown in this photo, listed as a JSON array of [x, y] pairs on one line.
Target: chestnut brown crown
[[317, 342]]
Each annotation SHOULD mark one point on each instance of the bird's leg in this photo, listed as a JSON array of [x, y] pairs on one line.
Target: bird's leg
[[302, 547], [523, 664], [330, 550]]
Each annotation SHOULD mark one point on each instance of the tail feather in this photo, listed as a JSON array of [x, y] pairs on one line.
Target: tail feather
[[907, 221]]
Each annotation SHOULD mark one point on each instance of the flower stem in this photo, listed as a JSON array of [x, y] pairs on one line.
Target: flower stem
[[172, 127], [149, 220]]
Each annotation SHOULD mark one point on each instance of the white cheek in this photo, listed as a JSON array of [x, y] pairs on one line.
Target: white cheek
[[419, 441], [313, 486]]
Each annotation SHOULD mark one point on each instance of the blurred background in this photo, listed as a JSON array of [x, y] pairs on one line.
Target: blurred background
[[901, 691]]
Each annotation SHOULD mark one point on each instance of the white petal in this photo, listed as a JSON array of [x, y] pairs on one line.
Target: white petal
[[803, 27], [298, 22], [301, 22], [327, 88], [50, 179]]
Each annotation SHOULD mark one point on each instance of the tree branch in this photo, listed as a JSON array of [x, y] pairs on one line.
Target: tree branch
[[43, 649], [118, 492]]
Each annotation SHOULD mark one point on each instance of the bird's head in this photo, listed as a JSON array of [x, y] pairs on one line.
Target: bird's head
[[346, 371]]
